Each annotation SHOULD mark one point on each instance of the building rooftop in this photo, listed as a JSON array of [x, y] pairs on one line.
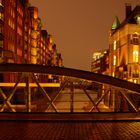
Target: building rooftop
[[132, 17]]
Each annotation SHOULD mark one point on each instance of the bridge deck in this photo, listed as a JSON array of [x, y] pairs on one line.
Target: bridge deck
[[78, 127], [109, 116]]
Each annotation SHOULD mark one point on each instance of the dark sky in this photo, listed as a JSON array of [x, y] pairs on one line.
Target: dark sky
[[80, 27]]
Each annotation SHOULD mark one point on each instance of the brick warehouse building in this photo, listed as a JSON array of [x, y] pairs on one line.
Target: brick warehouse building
[[100, 63], [124, 46], [22, 39], [124, 54]]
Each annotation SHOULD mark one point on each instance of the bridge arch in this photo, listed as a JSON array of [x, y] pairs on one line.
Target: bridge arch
[[105, 79], [103, 86]]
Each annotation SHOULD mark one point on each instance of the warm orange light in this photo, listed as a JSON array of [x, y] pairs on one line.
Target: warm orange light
[[30, 84]]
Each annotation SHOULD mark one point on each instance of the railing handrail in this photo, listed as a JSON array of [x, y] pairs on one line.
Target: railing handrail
[[87, 75]]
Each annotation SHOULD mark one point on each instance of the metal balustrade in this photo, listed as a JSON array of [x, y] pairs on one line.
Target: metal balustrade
[[76, 91]]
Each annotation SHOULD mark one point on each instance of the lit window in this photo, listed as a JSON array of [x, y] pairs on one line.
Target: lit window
[[135, 81], [13, 14], [135, 56], [113, 74], [114, 60], [1, 3], [135, 39], [138, 20], [1, 16], [114, 45]]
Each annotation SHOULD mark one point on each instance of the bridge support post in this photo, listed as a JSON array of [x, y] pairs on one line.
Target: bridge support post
[[58, 93], [7, 99], [113, 101], [28, 93], [45, 93], [124, 93], [71, 97]]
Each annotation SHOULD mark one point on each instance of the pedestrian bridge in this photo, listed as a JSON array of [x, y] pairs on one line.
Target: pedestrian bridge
[[70, 90]]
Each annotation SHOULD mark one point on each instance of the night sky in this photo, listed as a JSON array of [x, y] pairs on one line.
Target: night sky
[[80, 27]]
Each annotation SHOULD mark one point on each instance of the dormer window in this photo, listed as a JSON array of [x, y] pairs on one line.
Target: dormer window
[[135, 39]]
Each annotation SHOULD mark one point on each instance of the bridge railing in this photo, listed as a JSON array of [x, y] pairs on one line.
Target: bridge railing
[[63, 92]]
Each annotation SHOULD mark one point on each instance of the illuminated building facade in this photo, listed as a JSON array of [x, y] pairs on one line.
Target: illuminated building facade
[[43, 53], [12, 31], [22, 39], [124, 46], [1, 28], [34, 34], [59, 60], [124, 56], [100, 62]]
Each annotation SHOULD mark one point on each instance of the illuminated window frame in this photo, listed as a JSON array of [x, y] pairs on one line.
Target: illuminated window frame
[[135, 81], [135, 56], [135, 39], [138, 19], [114, 60], [114, 45]]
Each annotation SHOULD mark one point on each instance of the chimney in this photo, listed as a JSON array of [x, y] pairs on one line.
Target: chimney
[[128, 9]]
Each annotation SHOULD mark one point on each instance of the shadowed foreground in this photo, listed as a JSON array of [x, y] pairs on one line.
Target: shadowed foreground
[[69, 127], [13, 130]]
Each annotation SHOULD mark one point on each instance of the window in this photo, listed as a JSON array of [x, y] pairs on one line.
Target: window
[[135, 56], [11, 24], [113, 74], [114, 45], [1, 16], [19, 52], [114, 60], [1, 3], [20, 11], [135, 53], [138, 20], [12, 13], [19, 30], [1, 44], [11, 47], [135, 81], [135, 39]]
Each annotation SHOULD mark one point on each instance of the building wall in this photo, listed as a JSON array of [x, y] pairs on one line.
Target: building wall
[[125, 53], [100, 62], [21, 37], [34, 32], [124, 56], [13, 35]]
